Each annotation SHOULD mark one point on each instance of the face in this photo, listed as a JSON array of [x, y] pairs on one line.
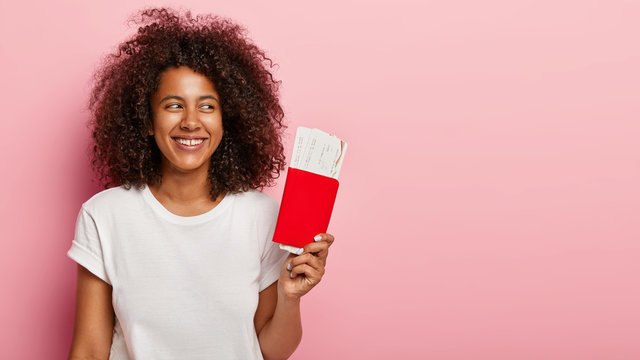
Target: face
[[187, 120]]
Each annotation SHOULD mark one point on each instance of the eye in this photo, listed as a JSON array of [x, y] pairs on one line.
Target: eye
[[173, 106], [207, 107]]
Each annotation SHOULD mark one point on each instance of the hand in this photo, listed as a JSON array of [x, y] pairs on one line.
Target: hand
[[300, 273]]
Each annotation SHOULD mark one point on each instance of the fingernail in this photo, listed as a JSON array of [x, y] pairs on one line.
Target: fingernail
[[300, 251], [289, 266], [291, 274], [317, 237]]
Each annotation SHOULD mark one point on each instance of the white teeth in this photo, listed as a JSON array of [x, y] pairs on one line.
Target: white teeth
[[191, 142]]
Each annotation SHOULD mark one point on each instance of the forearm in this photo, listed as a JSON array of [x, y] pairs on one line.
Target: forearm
[[88, 357], [87, 351], [282, 333]]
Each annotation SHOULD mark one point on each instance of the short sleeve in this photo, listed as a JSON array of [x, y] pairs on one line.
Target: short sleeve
[[271, 264], [272, 257], [86, 248]]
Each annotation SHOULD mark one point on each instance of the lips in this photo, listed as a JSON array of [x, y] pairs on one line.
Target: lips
[[189, 143]]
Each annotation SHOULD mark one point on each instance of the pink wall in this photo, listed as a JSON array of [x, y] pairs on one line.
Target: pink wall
[[489, 205]]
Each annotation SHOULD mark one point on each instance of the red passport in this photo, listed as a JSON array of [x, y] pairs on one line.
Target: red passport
[[305, 210]]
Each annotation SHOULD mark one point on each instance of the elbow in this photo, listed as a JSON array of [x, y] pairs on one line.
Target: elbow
[[87, 355], [284, 351], [274, 358]]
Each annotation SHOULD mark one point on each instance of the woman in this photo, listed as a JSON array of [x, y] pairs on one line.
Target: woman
[[175, 257]]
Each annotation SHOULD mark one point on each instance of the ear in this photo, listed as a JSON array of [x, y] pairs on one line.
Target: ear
[[149, 124]]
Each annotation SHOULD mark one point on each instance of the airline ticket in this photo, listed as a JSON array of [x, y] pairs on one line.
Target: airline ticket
[[317, 152]]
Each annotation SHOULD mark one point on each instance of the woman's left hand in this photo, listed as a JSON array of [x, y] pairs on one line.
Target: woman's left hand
[[300, 273]]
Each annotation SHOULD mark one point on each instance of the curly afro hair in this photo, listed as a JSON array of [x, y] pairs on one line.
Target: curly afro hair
[[250, 155]]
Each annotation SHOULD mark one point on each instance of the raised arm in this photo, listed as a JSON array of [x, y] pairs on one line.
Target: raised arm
[[94, 319], [277, 318]]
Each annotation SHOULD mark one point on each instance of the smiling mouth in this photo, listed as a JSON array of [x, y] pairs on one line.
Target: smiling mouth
[[189, 142]]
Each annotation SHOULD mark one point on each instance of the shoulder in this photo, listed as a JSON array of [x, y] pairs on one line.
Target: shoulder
[[257, 201], [112, 198], [256, 198]]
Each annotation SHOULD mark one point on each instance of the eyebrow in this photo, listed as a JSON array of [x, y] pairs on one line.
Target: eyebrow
[[176, 97]]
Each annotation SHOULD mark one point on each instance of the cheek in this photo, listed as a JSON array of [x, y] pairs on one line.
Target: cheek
[[161, 132], [162, 124], [217, 132], [215, 127]]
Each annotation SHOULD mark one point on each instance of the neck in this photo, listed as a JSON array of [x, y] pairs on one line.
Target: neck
[[181, 187]]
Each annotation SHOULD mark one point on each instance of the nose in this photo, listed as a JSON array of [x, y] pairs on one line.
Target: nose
[[190, 120]]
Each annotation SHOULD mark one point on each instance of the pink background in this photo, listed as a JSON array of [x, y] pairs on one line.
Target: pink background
[[489, 205]]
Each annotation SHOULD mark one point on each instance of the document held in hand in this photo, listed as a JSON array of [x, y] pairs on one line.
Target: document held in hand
[[310, 188]]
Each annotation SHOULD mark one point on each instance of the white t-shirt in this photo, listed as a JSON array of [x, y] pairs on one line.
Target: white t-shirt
[[183, 287]]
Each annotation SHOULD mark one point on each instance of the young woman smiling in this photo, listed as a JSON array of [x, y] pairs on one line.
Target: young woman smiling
[[175, 258]]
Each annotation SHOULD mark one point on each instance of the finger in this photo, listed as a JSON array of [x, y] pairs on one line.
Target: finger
[[319, 249], [320, 256], [287, 261], [308, 259], [316, 247], [324, 237], [312, 275]]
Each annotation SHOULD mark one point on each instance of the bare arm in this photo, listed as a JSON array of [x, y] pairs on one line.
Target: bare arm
[[277, 320], [94, 321], [278, 324]]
